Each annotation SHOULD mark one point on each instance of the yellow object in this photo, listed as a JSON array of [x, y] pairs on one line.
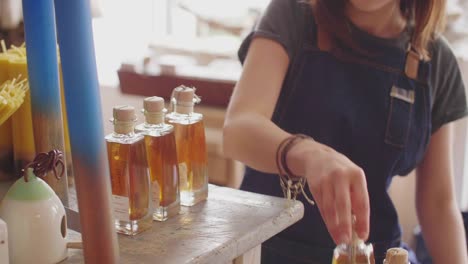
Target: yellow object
[[22, 125], [12, 95], [4, 61], [17, 67], [6, 151], [66, 135], [17, 132], [6, 142]]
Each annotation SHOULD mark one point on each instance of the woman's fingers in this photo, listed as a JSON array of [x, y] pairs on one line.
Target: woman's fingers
[[335, 206], [360, 204], [328, 210], [339, 195], [340, 191], [343, 208]]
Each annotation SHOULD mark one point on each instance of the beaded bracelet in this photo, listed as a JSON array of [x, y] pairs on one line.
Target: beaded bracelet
[[291, 184]]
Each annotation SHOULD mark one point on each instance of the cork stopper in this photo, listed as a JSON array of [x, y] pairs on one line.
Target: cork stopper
[[124, 113], [154, 110], [184, 94], [153, 104], [124, 119], [396, 256], [183, 99]]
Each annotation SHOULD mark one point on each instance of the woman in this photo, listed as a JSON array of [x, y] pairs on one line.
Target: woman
[[374, 88]]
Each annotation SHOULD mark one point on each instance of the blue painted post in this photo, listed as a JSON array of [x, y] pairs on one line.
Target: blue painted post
[[41, 48], [86, 130]]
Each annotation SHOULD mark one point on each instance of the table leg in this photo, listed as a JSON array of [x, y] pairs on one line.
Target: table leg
[[250, 257]]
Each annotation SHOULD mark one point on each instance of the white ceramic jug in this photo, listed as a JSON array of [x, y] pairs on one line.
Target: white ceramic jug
[[3, 243], [36, 222]]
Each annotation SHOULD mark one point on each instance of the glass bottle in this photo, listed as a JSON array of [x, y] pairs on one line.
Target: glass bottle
[[191, 146], [357, 252], [129, 174], [162, 159], [396, 256]]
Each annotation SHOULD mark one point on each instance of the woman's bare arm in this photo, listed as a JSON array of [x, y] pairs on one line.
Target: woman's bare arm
[[249, 135], [438, 213]]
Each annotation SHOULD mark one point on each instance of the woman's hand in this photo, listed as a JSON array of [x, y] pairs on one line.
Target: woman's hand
[[338, 186]]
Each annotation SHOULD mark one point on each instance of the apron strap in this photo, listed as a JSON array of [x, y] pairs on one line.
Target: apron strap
[[413, 58], [323, 39], [412, 64], [324, 42]]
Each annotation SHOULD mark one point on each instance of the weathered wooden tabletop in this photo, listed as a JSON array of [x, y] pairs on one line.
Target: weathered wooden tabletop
[[228, 224]]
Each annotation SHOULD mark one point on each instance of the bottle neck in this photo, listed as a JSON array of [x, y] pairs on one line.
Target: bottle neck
[[124, 127], [186, 108], [154, 118]]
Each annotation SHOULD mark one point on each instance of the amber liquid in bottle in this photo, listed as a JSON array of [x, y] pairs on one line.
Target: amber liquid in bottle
[[191, 156], [357, 252], [129, 182], [162, 160], [346, 259]]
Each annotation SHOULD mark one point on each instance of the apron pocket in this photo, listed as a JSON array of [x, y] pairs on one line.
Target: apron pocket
[[399, 116]]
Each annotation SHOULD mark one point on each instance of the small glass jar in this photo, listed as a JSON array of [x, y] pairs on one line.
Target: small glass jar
[[357, 252]]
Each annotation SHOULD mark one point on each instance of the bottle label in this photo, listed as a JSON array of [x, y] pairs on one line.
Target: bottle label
[[183, 181], [155, 190], [121, 206]]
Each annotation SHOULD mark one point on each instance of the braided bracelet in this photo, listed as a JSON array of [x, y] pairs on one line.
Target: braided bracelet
[[291, 184]]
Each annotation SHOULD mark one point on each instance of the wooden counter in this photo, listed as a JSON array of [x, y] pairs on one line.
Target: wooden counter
[[227, 228]]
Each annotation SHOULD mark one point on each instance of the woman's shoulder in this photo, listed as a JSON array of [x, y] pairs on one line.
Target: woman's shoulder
[[282, 21], [288, 5], [283, 12], [441, 52], [443, 61], [448, 90]]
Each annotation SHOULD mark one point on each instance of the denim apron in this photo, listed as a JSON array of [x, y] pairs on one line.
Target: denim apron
[[373, 109]]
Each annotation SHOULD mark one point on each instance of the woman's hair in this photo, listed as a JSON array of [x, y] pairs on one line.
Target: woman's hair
[[427, 16]]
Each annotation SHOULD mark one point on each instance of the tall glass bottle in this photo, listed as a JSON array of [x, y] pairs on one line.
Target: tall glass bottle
[[129, 174], [191, 146], [162, 159]]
